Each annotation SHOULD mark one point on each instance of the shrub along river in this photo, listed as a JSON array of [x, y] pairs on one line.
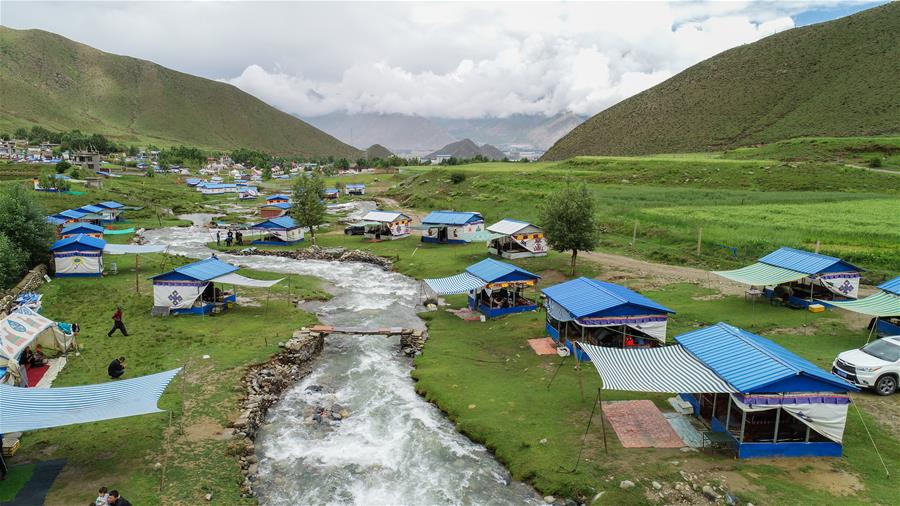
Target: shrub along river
[[393, 447]]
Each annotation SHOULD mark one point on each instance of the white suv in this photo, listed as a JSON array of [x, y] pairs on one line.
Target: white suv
[[875, 365]]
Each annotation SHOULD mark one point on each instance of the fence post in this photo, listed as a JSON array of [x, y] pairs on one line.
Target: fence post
[[634, 233], [699, 239]]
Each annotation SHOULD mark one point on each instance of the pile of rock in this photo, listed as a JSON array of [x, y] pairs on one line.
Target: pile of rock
[[263, 385], [331, 254], [411, 344], [29, 283]]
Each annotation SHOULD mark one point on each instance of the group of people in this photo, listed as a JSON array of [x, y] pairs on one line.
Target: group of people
[[109, 498], [34, 358], [235, 237]]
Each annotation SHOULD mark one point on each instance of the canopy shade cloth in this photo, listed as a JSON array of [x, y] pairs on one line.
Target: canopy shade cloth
[[237, 279], [666, 369], [761, 274], [460, 283], [881, 304], [23, 409], [132, 249]]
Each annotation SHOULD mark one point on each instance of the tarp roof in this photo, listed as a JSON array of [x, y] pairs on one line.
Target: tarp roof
[[891, 286], [283, 222], [86, 240], [507, 226], [204, 270], [490, 270], [237, 279], [451, 218], [761, 274], [93, 229], [882, 304], [452, 285], [803, 261], [24, 409], [53, 220], [110, 204], [91, 209], [278, 196], [72, 214], [279, 205], [354, 185], [384, 216], [133, 249], [583, 297], [753, 364], [332, 190], [664, 369]]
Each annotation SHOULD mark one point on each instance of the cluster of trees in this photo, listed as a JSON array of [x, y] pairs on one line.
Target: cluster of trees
[[187, 156], [476, 159], [72, 140], [25, 235]]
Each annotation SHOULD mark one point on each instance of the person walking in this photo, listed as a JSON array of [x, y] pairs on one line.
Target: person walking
[[218, 238], [116, 368], [117, 323]]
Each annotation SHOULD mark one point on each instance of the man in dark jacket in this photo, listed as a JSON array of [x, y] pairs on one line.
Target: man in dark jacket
[[114, 499], [116, 368], [117, 323]]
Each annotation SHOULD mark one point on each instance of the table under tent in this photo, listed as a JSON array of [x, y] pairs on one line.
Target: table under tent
[[797, 278], [765, 400], [494, 288], [192, 288], [281, 231], [451, 227], [517, 239], [385, 225], [883, 307], [603, 314], [22, 328]]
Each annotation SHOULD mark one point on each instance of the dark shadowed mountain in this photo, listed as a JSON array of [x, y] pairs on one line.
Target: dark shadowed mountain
[[378, 151], [467, 149], [533, 130]]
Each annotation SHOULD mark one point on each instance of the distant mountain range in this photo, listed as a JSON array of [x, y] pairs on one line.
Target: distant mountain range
[[466, 148], [830, 79], [54, 82], [402, 132]]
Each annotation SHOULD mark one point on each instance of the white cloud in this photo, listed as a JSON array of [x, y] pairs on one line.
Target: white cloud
[[447, 59]]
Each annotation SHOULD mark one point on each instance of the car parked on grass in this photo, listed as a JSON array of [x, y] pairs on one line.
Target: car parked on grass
[[875, 365], [355, 229]]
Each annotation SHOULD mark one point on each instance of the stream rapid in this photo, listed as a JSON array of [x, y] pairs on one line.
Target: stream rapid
[[393, 447]]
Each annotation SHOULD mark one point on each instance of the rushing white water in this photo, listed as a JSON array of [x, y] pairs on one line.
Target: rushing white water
[[394, 448]]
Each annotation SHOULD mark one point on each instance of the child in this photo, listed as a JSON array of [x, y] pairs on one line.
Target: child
[[102, 497]]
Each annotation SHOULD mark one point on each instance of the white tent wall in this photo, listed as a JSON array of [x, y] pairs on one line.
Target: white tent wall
[[177, 295], [845, 284], [826, 419], [78, 263]]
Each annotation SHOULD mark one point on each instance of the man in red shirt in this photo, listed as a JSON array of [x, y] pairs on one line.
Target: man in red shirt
[[117, 322]]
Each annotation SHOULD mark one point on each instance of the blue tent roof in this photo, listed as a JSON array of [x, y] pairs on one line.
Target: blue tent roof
[[332, 190], [451, 218], [753, 364], [279, 196], [71, 214], [192, 181], [204, 270], [80, 239], [53, 220], [493, 271], [354, 185], [83, 228], [219, 186], [279, 205], [584, 297], [805, 262], [90, 209], [282, 223], [110, 204], [891, 286]]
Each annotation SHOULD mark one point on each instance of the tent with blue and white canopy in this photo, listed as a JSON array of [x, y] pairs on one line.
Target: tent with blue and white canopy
[[495, 288]]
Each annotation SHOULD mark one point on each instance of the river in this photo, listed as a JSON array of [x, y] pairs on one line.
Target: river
[[394, 447]]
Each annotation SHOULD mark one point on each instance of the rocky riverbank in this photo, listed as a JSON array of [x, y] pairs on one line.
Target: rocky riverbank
[[317, 253], [263, 385]]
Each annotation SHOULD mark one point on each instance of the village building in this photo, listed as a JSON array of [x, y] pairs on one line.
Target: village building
[[355, 189], [603, 314], [494, 288], [281, 231], [112, 211], [386, 225], [77, 228], [278, 198], [451, 227], [274, 210], [331, 194], [518, 239], [78, 256], [88, 159]]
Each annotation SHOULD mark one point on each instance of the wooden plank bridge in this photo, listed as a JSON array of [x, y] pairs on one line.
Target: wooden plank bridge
[[385, 331]]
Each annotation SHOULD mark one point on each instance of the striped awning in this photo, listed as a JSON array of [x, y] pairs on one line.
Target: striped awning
[[23, 409], [461, 283], [881, 304], [667, 369], [760, 274]]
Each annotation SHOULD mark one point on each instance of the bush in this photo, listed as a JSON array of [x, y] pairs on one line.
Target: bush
[[457, 177], [12, 262], [62, 166], [875, 162]]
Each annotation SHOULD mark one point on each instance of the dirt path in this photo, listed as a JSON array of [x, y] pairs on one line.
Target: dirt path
[[873, 169]]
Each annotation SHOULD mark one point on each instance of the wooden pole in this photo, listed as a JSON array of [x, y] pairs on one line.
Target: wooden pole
[[699, 239], [817, 245], [634, 233], [602, 422], [137, 269]]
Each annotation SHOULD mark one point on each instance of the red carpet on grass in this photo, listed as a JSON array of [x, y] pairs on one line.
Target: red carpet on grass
[[640, 424], [543, 346], [36, 373]]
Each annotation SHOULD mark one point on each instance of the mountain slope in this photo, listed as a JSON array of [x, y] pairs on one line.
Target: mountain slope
[[395, 131], [378, 151], [465, 149], [48, 80], [535, 130], [834, 79]]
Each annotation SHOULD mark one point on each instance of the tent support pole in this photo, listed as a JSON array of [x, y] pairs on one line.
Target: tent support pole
[[887, 473], [872, 330], [602, 422], [561, 362], [578, 367], [137, 269], [777, 423], [584, 438]]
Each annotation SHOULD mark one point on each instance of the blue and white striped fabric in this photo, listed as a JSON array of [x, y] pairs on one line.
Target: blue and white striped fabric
[[461, 283], [667, 369], [24, 409]]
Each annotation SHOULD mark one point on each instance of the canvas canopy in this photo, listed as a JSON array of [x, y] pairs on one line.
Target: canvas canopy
[[132, 249], [760, 274], [23, 409], [667, 369], [25, 327], [237, 279], [882, 304], [452, 285]]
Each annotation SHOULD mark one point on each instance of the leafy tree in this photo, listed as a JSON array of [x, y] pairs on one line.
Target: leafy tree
[[151, 172], [307, 207], [75, 172], [362, 163], [5, 136], [62, 166], [457, 177], [21, 133], [12, 262], [342, 164], [568, 221], [267, 172], [24, 223], [133, 150]]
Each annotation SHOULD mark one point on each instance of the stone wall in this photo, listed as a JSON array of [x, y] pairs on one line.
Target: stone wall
[[29, 283], [263, 385]]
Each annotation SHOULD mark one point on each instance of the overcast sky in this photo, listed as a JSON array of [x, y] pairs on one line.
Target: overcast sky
[[459, 60]]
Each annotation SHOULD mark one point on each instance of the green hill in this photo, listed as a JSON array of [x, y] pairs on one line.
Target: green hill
[[48, 80], [831, 79]]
